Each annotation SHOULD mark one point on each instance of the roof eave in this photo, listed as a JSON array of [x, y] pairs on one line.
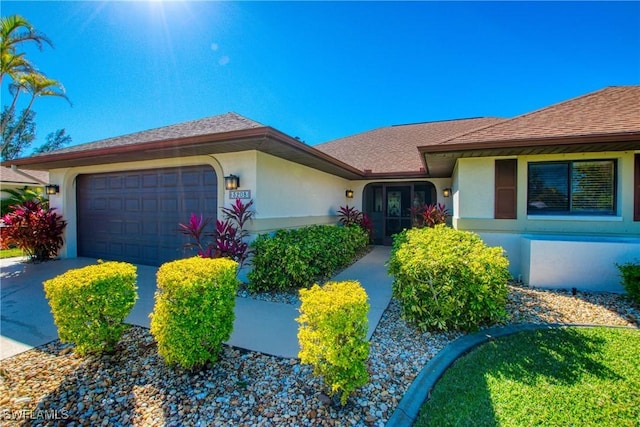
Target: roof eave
[[439, 160], [265, 139]]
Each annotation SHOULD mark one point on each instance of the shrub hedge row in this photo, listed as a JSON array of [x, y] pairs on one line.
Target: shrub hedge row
[[297, 258]]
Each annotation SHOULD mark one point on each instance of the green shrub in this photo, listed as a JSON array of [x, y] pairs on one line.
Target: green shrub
[[297, 258], [333, 335], [448, 279], [630, 273], [89, 304], [193, 313]]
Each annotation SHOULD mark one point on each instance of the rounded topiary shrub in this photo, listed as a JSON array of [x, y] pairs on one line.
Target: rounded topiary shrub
[[89, 304], [193, 313], [333, 335], [448, 279]]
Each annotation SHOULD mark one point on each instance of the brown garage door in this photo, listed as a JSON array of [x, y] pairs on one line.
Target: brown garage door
[[133, 216]]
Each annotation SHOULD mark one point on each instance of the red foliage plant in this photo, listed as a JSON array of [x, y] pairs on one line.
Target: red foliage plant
[[229, 236], [352, 216], [34, 229]]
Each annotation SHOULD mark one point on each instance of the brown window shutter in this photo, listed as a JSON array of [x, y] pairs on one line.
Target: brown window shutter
[[636, 190], [506, 189]]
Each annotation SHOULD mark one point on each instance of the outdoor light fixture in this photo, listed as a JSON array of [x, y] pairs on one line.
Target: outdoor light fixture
[[349, 194], [231, 182], [446, 192], [52, 189]]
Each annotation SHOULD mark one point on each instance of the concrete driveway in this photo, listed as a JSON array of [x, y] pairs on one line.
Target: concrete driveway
[[25, 316], [267, 327]]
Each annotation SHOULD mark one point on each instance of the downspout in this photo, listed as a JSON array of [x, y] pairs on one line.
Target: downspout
[[16, 170]]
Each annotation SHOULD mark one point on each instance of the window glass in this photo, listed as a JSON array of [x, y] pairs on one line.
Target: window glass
[[578, 187], [548, 187], [592, 186]]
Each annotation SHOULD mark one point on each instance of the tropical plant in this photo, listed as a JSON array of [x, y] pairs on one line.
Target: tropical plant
[[36, 84], [429, 215], [18, 196], [351, 216], [435, 214], [35, 229], [229, 236], [15, 31]]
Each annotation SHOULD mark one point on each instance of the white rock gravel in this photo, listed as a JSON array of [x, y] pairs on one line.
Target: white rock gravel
[[51, 385]]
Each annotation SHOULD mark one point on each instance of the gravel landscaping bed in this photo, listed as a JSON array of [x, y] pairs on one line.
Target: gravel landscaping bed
[[134, 387]]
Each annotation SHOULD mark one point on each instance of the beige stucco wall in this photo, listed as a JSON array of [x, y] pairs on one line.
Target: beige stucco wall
[[474, 199], [290, 195], [576, 242]]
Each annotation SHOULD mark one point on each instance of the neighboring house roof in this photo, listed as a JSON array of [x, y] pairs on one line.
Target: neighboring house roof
[[27, 177], [394, 149], [605, 120], [224, 133]]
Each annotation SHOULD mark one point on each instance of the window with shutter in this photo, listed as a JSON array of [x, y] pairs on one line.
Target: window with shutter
[[506, 182], [573, 187]]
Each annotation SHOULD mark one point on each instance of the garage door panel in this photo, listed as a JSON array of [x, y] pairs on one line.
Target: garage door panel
[[115, 183], [132, 204], [132, 182], [134, 216], [169, 180], [191, 179], [168, 205], [149, 181]]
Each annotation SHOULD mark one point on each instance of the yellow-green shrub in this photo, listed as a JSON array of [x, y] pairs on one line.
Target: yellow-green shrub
[[333, 335], [193, 312], [448, 279], [89, 304]]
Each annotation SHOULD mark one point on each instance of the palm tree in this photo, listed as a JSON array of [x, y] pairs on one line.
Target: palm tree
[[16, 30], [37, 84]]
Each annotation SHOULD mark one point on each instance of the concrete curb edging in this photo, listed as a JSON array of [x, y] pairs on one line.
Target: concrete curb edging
[[408, 408]]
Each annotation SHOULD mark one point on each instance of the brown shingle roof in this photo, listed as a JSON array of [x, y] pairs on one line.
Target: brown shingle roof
[[612, 110], [394, 148], [211, 125]]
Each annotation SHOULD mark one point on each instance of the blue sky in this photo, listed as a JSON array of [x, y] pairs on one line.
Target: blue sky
[[320, 70]]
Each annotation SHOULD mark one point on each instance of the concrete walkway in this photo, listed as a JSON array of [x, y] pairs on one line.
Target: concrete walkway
[[26, 320]]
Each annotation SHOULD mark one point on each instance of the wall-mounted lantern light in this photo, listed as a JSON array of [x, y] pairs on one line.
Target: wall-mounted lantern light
[[231, 182], [349, 194], [446, 192], [52, 189]]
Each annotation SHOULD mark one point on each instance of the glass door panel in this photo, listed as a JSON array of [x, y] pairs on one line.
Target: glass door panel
[[397, 210]]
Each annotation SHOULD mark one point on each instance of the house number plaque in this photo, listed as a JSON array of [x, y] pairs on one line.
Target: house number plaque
[[239, 194]]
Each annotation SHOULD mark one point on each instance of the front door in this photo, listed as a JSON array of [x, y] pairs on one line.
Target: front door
[[398, 214], [389, 206]]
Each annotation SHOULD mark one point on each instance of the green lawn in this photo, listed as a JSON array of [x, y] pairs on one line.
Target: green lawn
[[559, 377], [10, 253]]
